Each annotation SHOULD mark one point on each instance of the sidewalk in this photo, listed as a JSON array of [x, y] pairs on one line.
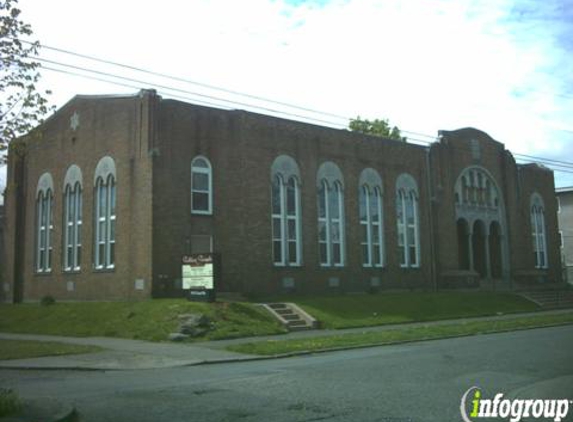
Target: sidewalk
[[120, 354], [124, 354]]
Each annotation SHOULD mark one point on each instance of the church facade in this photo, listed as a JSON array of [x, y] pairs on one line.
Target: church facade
[[108, 194]]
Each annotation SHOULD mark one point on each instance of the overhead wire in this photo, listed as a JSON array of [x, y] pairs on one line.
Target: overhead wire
[[192, 82], [556, 165], [165, 87]]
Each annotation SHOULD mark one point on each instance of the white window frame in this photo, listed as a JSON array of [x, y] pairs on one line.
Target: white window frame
[[407, 193], [105, 223], [209, 192], [73, 225], [45, 228], [44, 224], [371, 226], [339, 223], [330, 222], [323, 201], [295, 219], [278, 224], [283, 218], [538, 232], [330, 182]]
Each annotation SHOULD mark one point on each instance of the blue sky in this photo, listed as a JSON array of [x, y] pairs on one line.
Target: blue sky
[[505, 67]]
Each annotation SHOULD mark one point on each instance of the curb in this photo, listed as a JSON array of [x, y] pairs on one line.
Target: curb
[[398, 342], [252, 357], [247, 358]]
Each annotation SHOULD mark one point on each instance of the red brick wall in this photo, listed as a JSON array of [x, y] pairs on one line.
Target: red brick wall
[[108, 126], [241, 147]]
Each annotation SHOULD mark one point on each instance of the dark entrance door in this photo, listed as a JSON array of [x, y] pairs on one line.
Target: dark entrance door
[[478, 243], [495, 249], [463, 245]]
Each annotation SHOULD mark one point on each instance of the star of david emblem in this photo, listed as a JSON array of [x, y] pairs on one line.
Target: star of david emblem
[[75, 120]]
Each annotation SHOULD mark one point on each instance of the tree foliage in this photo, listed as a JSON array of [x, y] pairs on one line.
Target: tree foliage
[[376, 127], [22, 105]]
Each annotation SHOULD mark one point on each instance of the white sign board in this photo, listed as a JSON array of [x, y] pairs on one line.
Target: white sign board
[[197, 271]]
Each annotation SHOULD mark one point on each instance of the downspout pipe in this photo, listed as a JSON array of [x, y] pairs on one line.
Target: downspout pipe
[[431, 200]]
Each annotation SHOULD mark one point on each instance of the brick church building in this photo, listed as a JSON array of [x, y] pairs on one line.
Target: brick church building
[[108, 194]]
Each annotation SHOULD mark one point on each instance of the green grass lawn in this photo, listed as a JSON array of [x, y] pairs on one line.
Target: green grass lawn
[[387, 308], [147, 320], [155, 319], [404, 334], [23, 349], [10, 403]]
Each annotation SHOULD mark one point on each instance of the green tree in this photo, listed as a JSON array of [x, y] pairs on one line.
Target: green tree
[[22, 105], [376, 127]]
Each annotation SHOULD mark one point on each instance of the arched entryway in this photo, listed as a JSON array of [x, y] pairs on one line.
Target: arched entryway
[[479, 248], [480, 224], [495, 249], [463, 244]]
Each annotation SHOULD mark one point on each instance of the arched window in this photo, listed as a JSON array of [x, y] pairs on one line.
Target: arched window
[[331, 238], [480, 189], [488, 193], [465, 190], [286, 212], [408, 221], [105, 214], [538, 234], [371, 218], [201, 186], [72, 219], [477, 189], [44, 223]]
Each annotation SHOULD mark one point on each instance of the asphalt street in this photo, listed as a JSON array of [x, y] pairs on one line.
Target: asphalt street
[[417, 382]]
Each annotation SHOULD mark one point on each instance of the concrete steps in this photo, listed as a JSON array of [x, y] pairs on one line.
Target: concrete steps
[[550, 298], [292, 317]]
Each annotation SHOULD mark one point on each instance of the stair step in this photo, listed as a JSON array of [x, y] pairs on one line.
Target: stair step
[[551, 299], [291, 317]]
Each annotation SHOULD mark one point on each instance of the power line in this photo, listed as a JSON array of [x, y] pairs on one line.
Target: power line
[[527, 158], [547, 159], [210, 97], [259, 98], [555, 165], [218, 88], [189, 81]]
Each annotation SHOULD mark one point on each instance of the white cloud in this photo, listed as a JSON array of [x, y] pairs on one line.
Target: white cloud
[[502, 67]]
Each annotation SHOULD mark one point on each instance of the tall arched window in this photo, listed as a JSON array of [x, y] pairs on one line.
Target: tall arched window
[[44, 223], [477, 189], [331, 230], [408, 221], [538, 233], [371, 218], [286, 212], [72, 244], [201, 186], [105, 214]]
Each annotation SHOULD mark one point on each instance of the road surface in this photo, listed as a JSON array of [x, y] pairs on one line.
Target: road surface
[[417, 382]]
